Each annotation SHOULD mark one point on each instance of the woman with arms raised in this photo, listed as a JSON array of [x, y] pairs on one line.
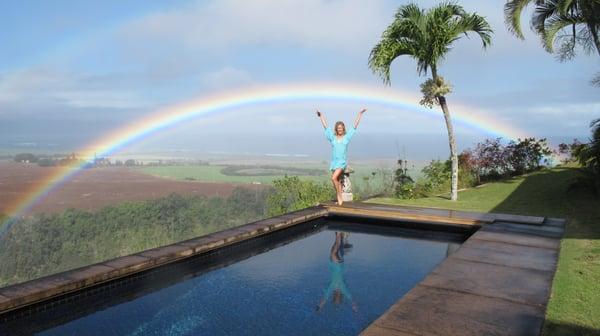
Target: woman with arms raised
[[339, 138]]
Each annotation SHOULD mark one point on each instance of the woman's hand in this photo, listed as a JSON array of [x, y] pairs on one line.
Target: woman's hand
[[364, 109], [318, 113]]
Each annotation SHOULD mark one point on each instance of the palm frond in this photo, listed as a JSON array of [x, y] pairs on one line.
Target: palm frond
[[545, 11], [564, 6], [554, 25], [409, 12], [445, 11], [551, 20], [512, 15], [383, 54], [477, 24]]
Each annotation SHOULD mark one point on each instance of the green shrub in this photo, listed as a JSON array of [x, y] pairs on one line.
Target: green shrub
[[290, 194]]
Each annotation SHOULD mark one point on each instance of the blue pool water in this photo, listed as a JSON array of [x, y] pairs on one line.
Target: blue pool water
[[334, 281]]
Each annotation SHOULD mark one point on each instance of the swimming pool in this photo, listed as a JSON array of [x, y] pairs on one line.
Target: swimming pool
[[323, 277]]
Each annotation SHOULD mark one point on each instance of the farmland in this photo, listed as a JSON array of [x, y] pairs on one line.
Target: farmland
[[95, 188]]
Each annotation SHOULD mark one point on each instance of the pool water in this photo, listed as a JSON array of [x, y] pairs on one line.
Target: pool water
[[334, 281]]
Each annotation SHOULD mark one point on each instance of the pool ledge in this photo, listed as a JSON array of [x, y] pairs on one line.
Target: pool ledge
[[427, 215]]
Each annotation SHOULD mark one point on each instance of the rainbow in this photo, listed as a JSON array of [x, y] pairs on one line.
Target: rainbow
[[171, 116]]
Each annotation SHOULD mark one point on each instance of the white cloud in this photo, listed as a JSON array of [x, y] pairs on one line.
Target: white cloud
[[41, 85], [216, 26], [575, 109]]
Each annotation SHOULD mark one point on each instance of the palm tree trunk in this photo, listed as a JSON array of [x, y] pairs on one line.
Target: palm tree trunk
[[451, 140], [453, 154]]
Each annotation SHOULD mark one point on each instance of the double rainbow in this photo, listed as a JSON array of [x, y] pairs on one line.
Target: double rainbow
[[168, 117]]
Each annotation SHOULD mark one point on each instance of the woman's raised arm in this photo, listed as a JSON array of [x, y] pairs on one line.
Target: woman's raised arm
[[360, 113], [322, 117]]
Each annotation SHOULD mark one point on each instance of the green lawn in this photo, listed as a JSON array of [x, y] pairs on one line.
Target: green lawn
[[574, 307]]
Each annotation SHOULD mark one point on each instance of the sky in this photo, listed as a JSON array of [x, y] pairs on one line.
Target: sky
[[73, 71]]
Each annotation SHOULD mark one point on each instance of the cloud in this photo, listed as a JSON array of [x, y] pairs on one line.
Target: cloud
[[573, 110], [43, 85], [218, 26]]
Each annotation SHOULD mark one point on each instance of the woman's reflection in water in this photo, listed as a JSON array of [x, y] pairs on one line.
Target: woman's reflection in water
[[337, 289]]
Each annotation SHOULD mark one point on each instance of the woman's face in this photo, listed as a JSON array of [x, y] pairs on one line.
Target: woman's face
[[339, 130]]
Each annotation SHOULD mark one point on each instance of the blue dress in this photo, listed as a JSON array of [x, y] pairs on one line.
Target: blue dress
[[340, 147], [337, 281]]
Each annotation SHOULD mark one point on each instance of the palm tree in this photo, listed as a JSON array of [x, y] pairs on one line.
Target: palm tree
[[569, 22], [561, 23], [427, 36]]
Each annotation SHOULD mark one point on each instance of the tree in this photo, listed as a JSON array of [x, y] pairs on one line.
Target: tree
[[25, 157], [404, 184], [588, 156], [562, 23], [526, 155], [427, 36]]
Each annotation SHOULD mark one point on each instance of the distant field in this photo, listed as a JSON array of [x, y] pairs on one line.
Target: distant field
[[214, 173], [93, 189]]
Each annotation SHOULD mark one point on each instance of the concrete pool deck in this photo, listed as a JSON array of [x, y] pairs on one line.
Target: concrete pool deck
[[498, 282]]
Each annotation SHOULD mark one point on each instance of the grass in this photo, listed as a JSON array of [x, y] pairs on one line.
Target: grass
[[574, 307]]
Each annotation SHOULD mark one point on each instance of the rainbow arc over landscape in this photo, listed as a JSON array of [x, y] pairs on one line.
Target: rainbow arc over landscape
[[171, 116]]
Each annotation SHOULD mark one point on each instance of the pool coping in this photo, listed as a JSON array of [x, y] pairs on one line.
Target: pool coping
[[519, 250]]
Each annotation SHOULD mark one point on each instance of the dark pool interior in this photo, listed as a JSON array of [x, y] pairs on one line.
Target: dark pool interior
[[324, 277]]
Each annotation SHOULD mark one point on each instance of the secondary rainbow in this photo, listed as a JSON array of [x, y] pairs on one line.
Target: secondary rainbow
[[230, 101]]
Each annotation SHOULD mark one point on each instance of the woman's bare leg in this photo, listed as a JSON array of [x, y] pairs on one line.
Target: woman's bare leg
[[335, 178]]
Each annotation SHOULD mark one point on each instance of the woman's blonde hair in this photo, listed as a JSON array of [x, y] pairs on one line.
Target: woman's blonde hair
[[336, 126]]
